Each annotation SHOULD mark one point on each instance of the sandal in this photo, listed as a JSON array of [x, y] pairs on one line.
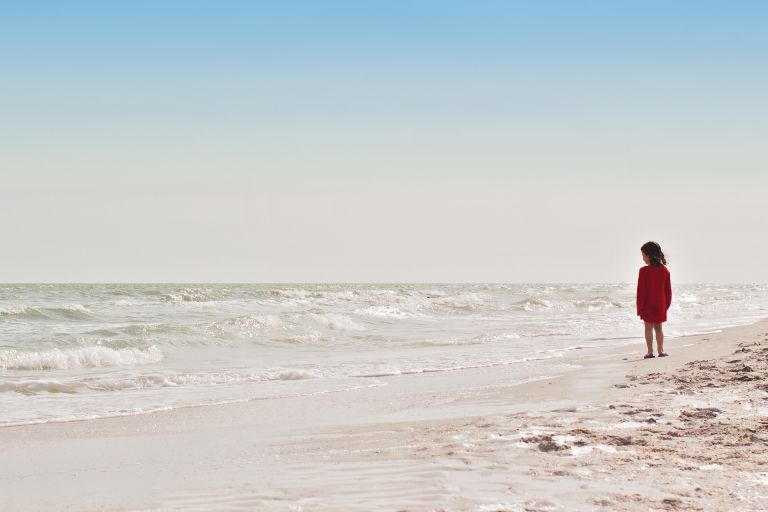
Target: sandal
[[648, 356], [663, 354]]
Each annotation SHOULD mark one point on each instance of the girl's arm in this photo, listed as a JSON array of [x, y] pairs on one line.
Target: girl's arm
[[668, 291], [640, 292]]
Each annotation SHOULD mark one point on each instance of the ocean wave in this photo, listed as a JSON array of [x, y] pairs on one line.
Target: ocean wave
[[73, 311], [533, 303], [83, 357], [154, 380], [191, 295], [477, 340], [245, 325], [196, 379], [299, 339], [125, 303], [447, 342], [687, 298], [384, 312], [33, 387], [486, 338], [292, 296], [463, 302], [598, 303], [336, 321], [22, 312], [137, 330]]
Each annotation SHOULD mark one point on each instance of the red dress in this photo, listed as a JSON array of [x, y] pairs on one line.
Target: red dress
[[654, 293]]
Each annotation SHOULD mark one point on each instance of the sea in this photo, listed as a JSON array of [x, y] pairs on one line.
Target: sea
[[72, 352]]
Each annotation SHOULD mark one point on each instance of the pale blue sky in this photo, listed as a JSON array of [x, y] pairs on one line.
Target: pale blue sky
[[382, 140]]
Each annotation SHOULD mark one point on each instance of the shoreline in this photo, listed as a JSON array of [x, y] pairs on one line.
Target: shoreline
[[625, 343], [460, 441]]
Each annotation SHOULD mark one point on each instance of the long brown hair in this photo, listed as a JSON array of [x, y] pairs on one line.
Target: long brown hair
[[653, 251]]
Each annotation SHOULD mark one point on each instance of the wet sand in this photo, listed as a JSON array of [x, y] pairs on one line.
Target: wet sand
[[687, 432]]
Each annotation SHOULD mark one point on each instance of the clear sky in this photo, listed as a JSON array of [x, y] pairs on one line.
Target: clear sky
[[411, 140]]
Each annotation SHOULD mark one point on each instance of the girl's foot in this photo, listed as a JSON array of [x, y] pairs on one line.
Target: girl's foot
[[648, 356], [663, 354]]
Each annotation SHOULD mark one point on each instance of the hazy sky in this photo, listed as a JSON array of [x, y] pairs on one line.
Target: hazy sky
[[413, 140]]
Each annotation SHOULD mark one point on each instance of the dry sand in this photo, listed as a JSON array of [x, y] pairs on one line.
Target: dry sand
[[687, 432]]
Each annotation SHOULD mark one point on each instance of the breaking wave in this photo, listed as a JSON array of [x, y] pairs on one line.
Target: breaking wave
[[248, 326], [191, 295], [72, 358], [154, 380], [336, 322], [167, 344], [384, 312], [598, 303], [22, 312], [533, 303], [73, 312]]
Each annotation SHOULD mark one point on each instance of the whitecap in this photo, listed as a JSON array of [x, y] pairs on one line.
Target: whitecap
[[384, 312], [83, 357], [598, 303], [534, 303], [246, 325], [22, 312], [336, 321]]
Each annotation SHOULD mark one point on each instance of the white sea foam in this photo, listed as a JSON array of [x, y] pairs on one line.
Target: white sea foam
[[687, 298], [337, 322], [476, 340], [22, 312], [598, 303], [168, 379], [221, 340], [191, 295], [248, 326], [30, 387], [462, 302], [384, 312], [391, 370], [81, 357], [534, 303], [153, 380], [485, 338]]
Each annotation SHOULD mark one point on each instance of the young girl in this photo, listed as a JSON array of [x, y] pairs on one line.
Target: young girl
[[654, 295]]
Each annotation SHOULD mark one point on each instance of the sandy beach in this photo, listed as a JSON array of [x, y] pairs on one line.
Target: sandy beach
[[394, 256], [617, 432]]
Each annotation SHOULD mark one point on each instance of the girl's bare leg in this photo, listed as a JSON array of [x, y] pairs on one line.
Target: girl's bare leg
[[649, 337], [659, 338]]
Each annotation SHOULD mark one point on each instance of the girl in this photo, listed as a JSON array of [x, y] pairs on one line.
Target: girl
[[654, 295]]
